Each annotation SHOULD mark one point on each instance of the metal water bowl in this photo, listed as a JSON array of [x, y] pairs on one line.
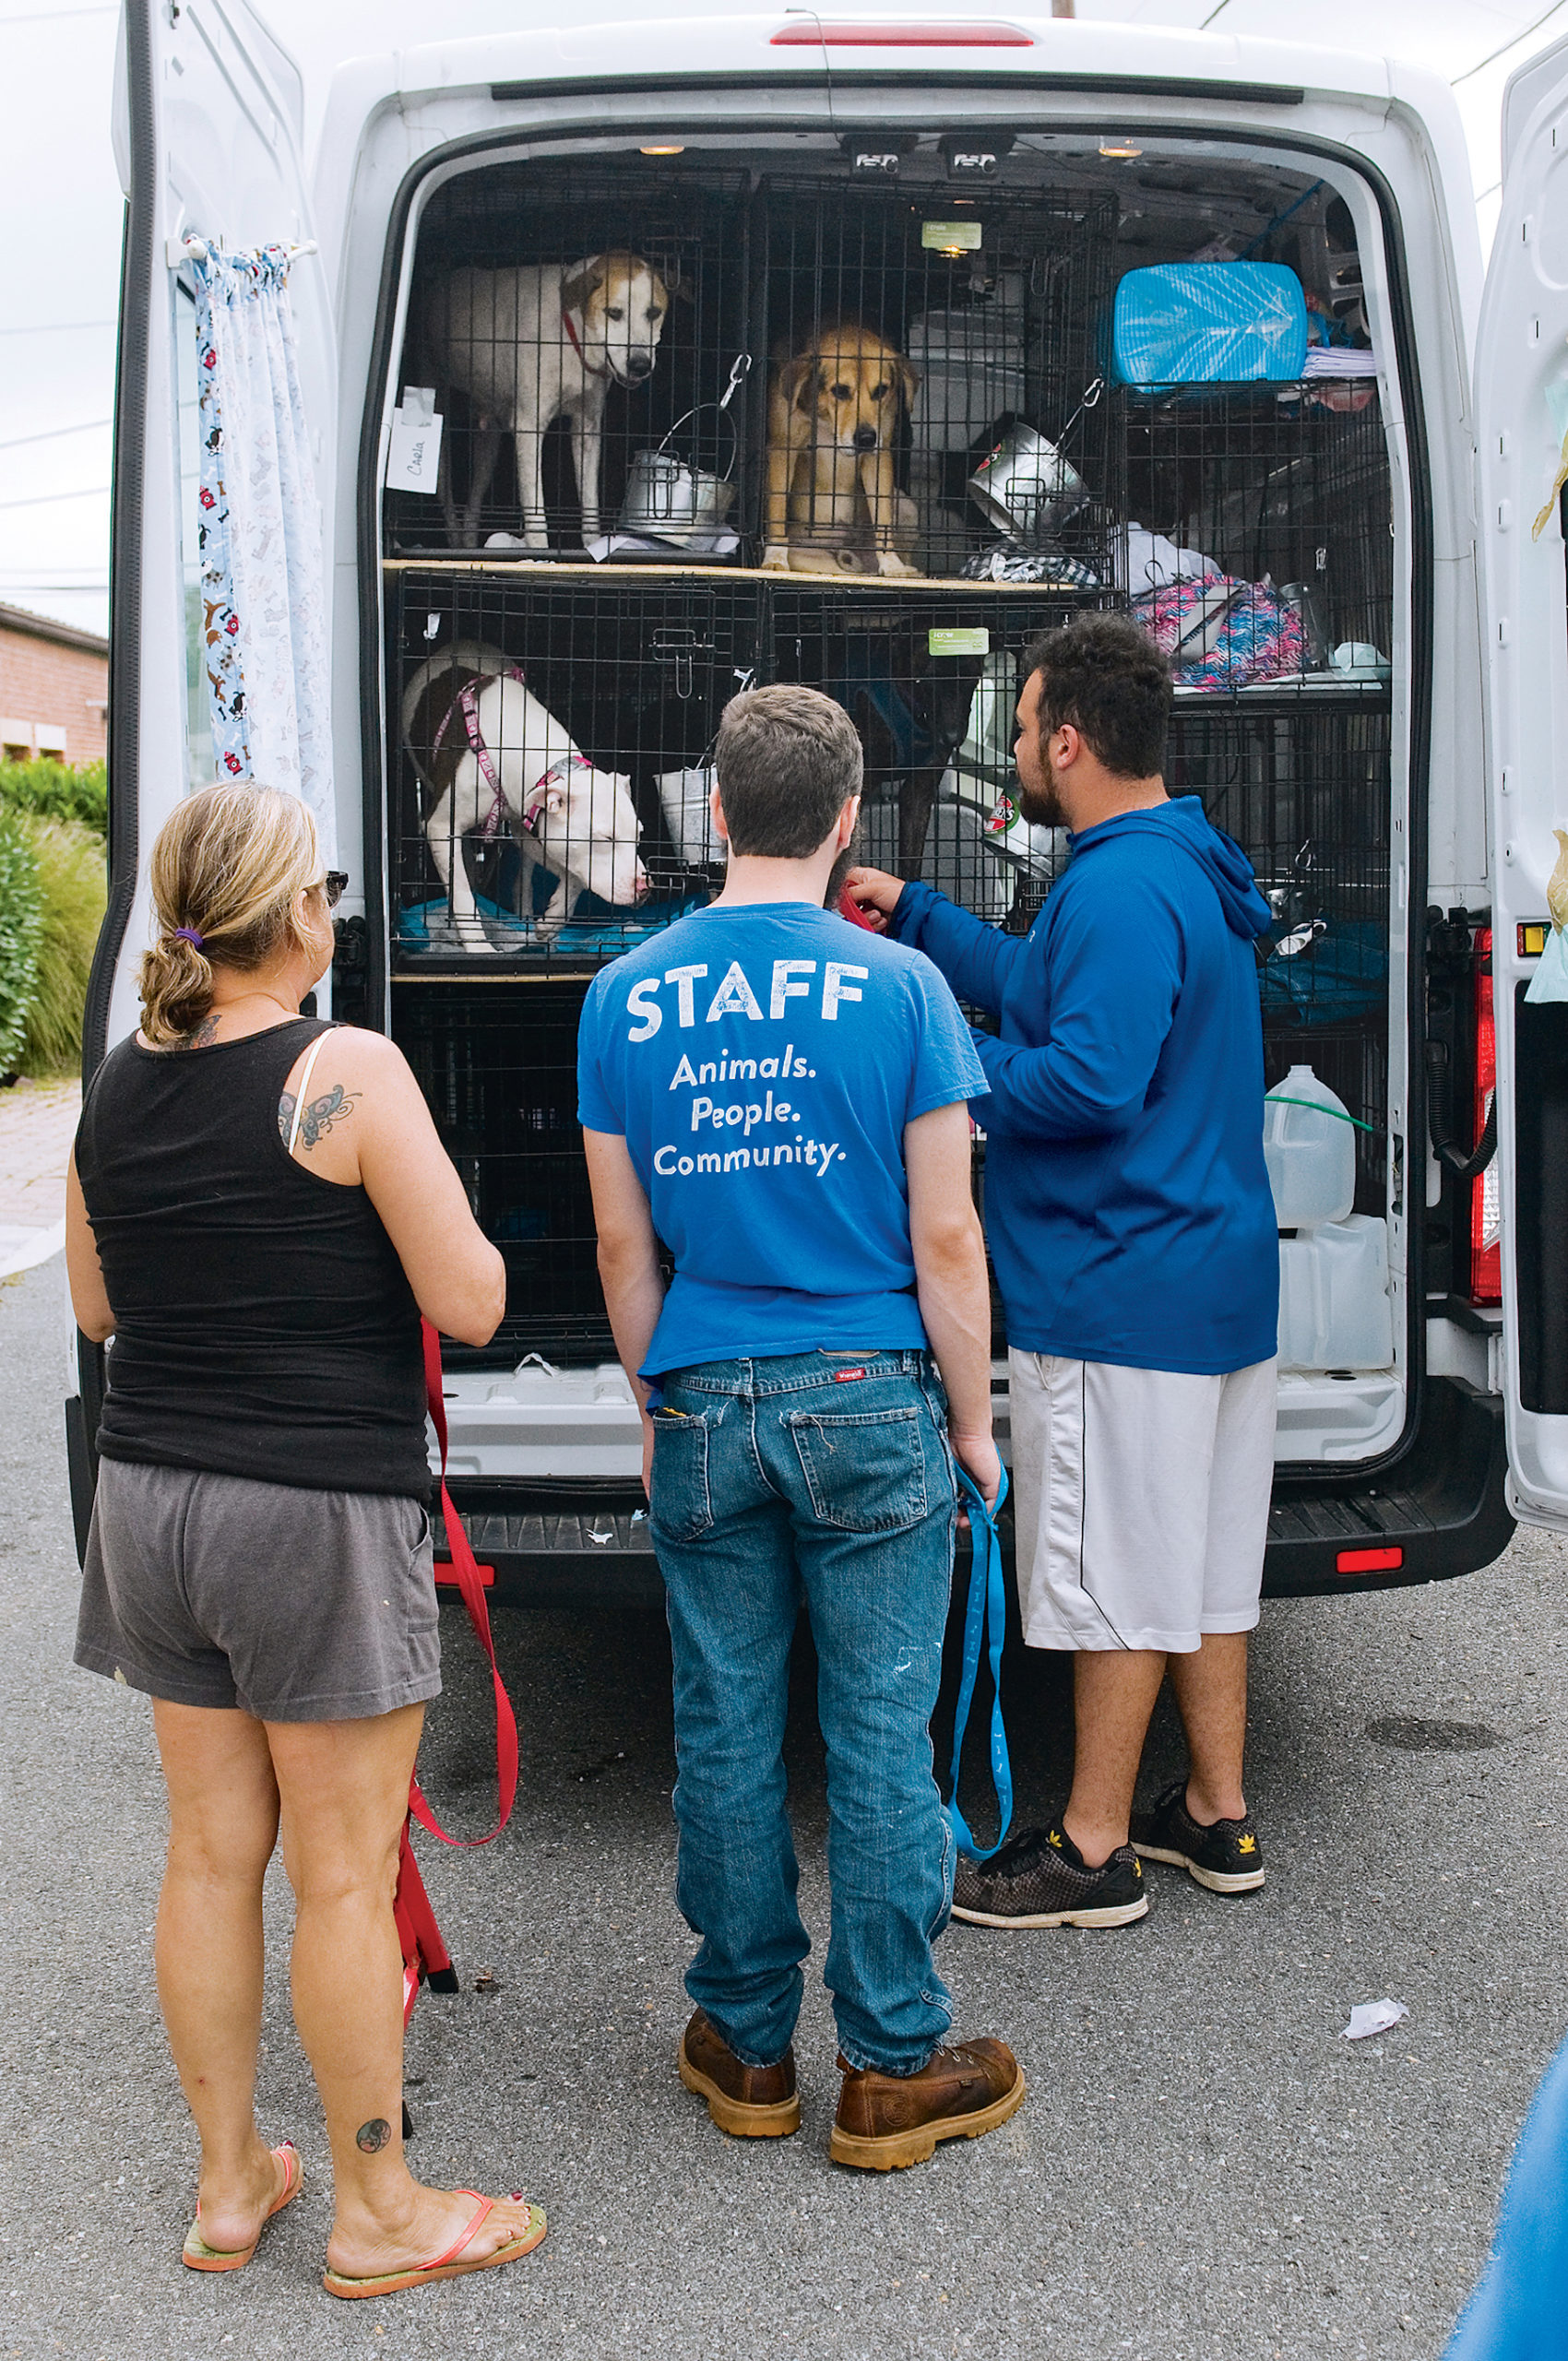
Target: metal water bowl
[[1026, 489], [667, 498]]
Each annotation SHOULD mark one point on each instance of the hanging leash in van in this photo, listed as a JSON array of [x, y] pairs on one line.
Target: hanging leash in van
[[987, 1602]]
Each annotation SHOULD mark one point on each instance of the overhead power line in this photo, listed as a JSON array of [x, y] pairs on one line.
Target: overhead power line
[[43, 499], [1512, 43], [56, 327], [52, 434], [52, 15]]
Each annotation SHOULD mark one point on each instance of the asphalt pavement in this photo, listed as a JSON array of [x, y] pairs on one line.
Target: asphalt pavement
[[1205, 2168]]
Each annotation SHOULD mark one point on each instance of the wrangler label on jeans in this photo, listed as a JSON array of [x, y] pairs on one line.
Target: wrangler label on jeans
[[762, 1064]]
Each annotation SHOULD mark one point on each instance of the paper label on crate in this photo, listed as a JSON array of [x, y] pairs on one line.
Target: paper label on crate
[[947, 235], [966, 639], [414, 452]]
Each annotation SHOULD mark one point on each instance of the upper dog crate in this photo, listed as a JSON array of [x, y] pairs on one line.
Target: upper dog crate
[[690, 363]]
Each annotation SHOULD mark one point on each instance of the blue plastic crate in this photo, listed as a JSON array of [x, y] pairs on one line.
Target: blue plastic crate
[[1209, 323]]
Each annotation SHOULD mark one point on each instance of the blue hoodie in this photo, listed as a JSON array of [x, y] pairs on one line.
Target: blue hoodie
[[1127, 1206]]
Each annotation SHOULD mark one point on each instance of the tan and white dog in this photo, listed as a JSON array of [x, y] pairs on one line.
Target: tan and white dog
[[832, 413], [530, 346], [491, 756]]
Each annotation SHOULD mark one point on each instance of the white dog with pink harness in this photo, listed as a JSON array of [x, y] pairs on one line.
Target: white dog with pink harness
[[492, 755]]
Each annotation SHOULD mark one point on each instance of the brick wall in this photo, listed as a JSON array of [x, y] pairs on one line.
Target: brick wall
[[53, 685]]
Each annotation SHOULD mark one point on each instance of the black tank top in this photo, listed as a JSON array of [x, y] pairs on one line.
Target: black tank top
[[264, 1326]]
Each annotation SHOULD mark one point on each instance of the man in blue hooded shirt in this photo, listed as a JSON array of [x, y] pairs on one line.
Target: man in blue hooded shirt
[[1133, 1230]]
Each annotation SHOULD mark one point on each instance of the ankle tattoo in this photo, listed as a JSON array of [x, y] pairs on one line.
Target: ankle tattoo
[[372, 2135]]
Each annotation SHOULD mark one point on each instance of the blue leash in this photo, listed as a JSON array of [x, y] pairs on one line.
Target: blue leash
[[987, 1599]]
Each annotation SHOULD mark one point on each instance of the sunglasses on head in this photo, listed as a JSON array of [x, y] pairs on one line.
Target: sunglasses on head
[[333, 886]]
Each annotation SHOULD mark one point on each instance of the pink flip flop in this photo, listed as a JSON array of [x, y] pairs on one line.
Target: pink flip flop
[[444, 2265], [196, 2255]]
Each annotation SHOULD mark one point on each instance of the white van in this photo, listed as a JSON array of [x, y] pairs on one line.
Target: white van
[[1371, 640]]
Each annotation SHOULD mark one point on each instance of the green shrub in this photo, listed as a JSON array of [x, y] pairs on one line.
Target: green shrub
[[72, 884], [21, 925], [53, 791]]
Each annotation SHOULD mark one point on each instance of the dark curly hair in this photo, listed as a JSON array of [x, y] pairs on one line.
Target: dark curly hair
[[1108, 680]]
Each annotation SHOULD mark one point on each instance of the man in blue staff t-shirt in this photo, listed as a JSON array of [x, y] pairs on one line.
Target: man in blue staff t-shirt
[[781, 1098]]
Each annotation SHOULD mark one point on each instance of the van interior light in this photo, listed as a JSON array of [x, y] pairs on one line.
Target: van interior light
[[671, 150], [1120, 151], [810, 31]]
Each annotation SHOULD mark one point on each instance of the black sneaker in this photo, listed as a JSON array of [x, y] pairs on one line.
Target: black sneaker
[[1039, 1879], [1227, 1857]]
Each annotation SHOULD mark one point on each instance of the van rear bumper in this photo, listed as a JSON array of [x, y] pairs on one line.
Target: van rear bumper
[[1441, 1507]]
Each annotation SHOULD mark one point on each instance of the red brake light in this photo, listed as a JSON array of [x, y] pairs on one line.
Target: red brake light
[[1368, 1561], [1486, 1254], [813, 32]]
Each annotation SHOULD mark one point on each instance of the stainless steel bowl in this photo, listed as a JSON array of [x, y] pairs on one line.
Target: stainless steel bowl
[[1025, 488], [667, 498]]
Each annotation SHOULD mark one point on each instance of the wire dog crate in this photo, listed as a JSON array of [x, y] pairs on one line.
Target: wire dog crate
[[1303, 788], [711, 421], [548, 739], [797, 369], [585, 824], [1283, 491], [501, 1084]]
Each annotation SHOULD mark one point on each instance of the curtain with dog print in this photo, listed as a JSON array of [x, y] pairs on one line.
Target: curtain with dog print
[[262, 588]]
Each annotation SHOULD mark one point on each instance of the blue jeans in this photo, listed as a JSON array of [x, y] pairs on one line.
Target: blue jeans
[[773, 1481]]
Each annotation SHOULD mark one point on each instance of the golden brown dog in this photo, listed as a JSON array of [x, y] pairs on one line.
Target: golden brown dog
[[832, 413]]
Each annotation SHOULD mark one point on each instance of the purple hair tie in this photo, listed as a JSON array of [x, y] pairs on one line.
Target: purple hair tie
[[187, 934]]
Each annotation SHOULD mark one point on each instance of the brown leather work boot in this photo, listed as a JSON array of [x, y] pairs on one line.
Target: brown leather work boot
[[885, 2120], [751, 2102]]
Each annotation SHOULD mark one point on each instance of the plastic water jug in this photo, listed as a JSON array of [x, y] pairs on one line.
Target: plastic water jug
[[1308, 1146], [1334, 1307]]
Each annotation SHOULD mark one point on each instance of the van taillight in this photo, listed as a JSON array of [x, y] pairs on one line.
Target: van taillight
[[816, 32], [1486, 1254]]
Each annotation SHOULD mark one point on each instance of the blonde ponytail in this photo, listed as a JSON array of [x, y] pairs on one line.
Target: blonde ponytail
[[227, 866]]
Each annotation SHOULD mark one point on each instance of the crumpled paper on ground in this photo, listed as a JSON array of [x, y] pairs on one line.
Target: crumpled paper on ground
[[1374, 2016]]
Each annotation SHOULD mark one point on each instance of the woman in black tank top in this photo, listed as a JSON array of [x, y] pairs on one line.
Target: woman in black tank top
[[258, 1211]]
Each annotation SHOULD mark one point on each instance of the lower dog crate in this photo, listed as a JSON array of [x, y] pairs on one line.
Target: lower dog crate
[[629, 675], [498, 1067]]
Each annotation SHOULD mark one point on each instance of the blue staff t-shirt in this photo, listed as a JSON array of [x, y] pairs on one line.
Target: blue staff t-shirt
[[761, 1063]]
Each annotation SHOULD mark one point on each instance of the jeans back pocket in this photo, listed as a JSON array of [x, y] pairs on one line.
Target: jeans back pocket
[[679, 1503], [865, 1473]]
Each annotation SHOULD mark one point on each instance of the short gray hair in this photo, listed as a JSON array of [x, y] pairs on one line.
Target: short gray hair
[[787, 760]]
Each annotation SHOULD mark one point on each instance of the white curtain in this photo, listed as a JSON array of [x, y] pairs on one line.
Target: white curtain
[[263, 589]]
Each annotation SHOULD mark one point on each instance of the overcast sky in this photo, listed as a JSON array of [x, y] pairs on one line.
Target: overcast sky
[[60, 208]]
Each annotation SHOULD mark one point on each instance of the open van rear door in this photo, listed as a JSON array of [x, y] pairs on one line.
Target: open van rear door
[[1522, 431], [208, 125], [208, 128]]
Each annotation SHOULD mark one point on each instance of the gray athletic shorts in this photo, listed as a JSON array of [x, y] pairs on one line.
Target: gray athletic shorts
[[293, 1606]]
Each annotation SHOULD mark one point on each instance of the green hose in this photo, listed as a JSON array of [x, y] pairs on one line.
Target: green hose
[[1319, 1109]]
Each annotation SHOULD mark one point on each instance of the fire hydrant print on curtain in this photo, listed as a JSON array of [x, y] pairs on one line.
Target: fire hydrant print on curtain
[[263, 596]]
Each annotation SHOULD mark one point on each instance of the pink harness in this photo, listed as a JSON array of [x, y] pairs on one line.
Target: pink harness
[[466, 702]]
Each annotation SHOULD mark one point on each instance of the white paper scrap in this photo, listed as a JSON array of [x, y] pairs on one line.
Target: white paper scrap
[[1374, 2016], [413, 454]]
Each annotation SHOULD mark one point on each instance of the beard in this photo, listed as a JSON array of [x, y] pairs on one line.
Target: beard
[[853, 856], [1040, 807]]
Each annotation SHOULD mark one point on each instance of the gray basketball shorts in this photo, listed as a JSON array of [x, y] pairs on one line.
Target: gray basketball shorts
[[293, 1606]]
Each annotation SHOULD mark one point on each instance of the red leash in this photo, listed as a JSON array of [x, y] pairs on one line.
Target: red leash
[[424, 1953]]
